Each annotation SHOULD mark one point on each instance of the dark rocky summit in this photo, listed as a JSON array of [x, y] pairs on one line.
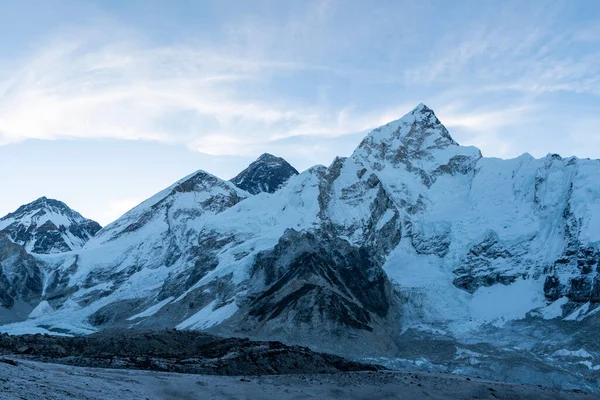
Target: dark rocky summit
[[267, 174]]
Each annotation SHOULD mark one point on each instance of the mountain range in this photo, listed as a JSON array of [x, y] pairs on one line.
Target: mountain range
[[413, 251]]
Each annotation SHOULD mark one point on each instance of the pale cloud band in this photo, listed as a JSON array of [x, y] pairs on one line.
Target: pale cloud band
[[234, 97]]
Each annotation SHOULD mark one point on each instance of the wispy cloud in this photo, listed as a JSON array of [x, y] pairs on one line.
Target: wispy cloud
[[317, 70], [491, 119], [197, 97]]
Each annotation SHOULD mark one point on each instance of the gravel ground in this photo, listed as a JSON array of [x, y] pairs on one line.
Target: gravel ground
[[33, 380]]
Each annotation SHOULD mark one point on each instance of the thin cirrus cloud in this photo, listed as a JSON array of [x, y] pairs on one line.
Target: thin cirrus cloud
[[122, 93], [177, 95], [183, 95], [248, 93]]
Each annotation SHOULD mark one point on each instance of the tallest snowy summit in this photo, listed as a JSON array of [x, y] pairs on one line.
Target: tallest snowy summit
[[418, 129]]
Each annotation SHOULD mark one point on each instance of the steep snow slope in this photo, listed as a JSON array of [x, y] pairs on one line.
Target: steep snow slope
[[412, 231], [48, 226], [131, 259], [267, 174]]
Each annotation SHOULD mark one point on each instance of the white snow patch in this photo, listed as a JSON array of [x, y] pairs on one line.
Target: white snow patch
[[42, 309], [554, 309], [151, 310], [209, 316], [581, 353], [385, 218], [499, 304], [590, 366]]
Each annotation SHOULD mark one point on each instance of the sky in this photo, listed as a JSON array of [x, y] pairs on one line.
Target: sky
[[104, 103]]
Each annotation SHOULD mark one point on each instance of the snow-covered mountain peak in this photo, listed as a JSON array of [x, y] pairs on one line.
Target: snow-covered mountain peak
[[187, 199], [420, 129], [266, 157], [48, 226], [42, 206], [267, 174], [417, 145]]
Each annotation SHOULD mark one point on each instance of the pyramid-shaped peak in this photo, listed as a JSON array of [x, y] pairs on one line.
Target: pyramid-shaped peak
[[420, 113], [421, 108], [45, 201], [419, 128], [42, 201], [267, 174], [199, 181], [269, 158]]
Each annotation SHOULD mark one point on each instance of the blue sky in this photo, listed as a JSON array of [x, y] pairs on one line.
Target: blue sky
[[103, 103]]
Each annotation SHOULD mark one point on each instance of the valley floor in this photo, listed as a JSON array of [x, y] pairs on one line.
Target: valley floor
[[32, 380]]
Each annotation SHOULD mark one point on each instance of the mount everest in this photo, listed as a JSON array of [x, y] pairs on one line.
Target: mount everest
[[267, 174], [412, 248]]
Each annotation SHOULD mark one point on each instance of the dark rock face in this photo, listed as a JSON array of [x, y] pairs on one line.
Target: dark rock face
[[552, 289], [437, 243], [580, 289], [205, 260], [20, 276], [267, 174], [319, 282], [576, 274], [48, 226], [479, 267], [457, 165]]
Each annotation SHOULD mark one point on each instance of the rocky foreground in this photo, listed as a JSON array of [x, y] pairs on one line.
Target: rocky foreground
[[24, 379], [171, 364]]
